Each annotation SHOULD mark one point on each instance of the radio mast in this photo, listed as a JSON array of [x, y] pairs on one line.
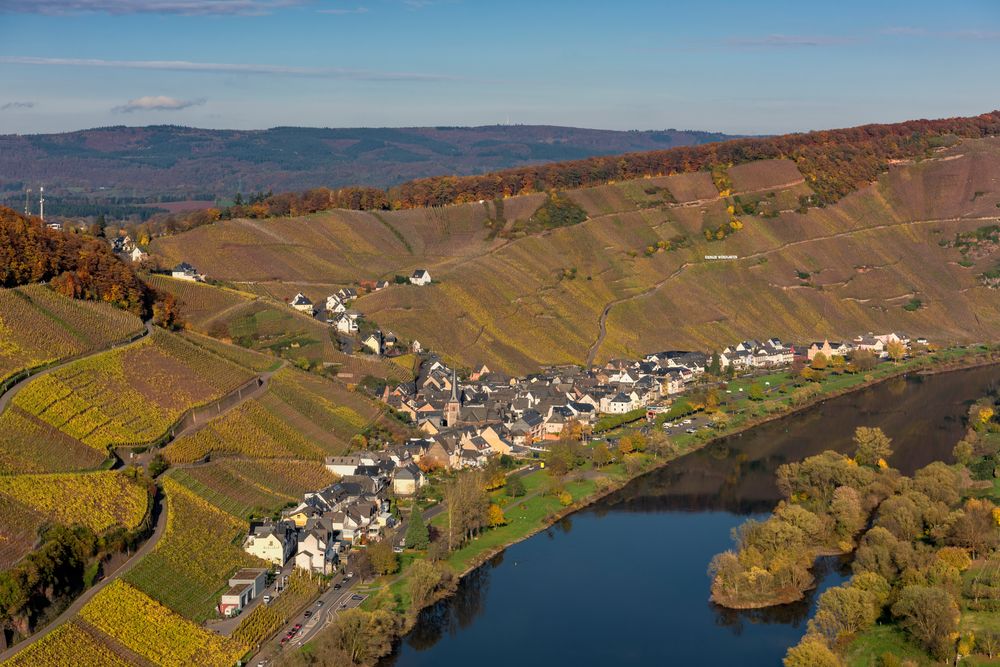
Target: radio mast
[[41, 203]]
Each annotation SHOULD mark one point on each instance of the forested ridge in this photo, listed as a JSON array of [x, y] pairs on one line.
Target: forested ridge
[[833, 163], [76, 265]]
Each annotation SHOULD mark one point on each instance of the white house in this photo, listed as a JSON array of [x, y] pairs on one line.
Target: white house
[[334, 304], [620, 403], [406, 480], [421, 277], [137, 255], [346, 323], [270, 541], [343, 465], [185, 271], [316, 551], [302, 303], [373, 343]]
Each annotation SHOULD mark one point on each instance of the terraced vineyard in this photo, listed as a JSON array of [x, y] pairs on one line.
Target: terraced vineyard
[[301, 416], [245, 487], [255, 361], [19, 525], [191, 564], [38, 327], [154, 632], [98, 500], [129, 396], [30, 445], [68, 645], [201, 304]]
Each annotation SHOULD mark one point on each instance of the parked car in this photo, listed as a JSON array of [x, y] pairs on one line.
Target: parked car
[[307, 614], [336, 587], [267, 599], [320, 603], [397, 550], [356, 597]]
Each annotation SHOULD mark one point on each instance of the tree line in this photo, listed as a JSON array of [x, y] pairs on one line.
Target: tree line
[[832, 162]]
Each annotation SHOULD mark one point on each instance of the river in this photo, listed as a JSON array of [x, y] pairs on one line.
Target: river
[[624, 581]]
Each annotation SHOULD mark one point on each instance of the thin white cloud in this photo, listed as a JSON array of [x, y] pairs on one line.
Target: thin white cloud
[[983, 35], [788, 41], [904, 30], [156, 103], [183, 7], [342, 12], [17, 105], [909, 31], [227, 68]]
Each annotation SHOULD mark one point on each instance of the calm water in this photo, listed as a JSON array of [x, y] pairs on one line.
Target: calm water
[[624, 581]]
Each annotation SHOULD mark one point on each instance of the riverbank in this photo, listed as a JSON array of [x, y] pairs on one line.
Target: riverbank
[[586, 486]]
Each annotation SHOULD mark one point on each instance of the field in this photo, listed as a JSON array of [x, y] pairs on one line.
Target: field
[[191, 564], [154, 632], [98, 500], [38, 326], [131, 395], [542, 299]]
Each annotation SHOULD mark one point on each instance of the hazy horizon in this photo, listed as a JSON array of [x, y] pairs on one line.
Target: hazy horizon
[[254, 64]]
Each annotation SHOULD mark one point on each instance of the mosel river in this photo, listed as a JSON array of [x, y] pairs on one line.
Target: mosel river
[[624, 581]]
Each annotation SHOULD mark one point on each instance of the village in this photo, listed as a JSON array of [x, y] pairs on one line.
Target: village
[[470, 420]]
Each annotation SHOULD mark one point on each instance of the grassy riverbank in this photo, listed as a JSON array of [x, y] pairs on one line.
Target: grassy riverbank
[[538, 509]]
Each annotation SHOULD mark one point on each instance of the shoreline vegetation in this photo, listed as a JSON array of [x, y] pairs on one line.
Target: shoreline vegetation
[[925, 552], [574, 477]]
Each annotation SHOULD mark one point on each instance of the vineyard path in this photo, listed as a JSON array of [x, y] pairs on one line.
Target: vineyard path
[[8, 395], [159, 510]]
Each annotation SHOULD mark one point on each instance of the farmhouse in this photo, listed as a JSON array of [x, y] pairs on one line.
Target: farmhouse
[[421, 277], [185, 271]]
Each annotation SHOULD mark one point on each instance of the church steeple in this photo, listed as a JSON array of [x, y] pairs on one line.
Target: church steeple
[[454, 405]]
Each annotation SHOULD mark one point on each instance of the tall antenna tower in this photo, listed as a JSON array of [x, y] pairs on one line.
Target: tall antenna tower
[[41, 203]]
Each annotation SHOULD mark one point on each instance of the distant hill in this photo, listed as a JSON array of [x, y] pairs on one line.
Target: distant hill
[[191, 163]]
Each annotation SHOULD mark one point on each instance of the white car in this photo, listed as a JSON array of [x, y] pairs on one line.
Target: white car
[[686, 421]]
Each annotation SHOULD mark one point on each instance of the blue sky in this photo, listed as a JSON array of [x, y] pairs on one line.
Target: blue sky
[[745, 67]]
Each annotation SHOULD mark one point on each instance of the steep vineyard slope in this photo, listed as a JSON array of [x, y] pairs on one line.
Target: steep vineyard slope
[[639, 274]]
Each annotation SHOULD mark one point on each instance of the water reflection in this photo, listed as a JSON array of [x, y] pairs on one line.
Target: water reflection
[[624, 581]]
